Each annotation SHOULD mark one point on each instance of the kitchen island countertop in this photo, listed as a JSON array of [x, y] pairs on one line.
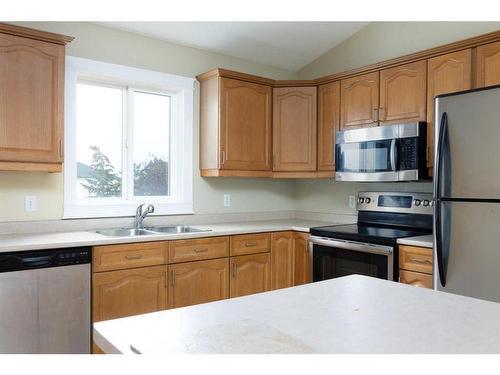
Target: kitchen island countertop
[[352, 314]]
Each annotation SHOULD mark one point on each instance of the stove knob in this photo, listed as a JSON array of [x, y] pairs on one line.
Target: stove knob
[[426, 203], [368, 200], [361, 200], [417, 202]]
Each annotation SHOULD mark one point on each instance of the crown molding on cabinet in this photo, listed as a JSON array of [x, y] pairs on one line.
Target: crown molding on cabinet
[[43, 36], [421, 55]]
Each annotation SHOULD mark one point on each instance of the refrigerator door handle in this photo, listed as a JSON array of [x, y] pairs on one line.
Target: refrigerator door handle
[[437, 199]]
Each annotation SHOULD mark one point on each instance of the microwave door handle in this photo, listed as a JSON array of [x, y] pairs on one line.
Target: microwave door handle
[[393, 155]]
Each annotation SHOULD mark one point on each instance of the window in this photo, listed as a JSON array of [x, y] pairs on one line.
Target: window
[[128, 140]]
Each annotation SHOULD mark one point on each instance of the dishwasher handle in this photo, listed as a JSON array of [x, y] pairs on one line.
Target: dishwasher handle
[[39, 261]]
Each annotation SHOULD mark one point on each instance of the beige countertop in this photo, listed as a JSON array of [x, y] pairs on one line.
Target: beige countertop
[[352, 314], [40, 241], [422, 241]]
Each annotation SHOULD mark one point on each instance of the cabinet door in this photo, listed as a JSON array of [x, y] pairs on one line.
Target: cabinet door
[[488, 65], [245, 125], [445, 74], [328, 124], [198, 282], [250, 274], [359, 101], [135, 291], [303, 266], [402, 93], [294, 129], [282, 260], [421, 280], [31, 105]]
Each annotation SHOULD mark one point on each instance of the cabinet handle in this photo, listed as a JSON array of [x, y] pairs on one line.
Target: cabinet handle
[[166, 279], [420, 261], [222, 157], [132, 257], [375, 114], [233, 269], [381, 114], [251, 244], [172, 274], [204, 250], [61, 148]]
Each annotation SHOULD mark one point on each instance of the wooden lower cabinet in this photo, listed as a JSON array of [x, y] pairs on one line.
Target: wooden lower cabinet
[[302, 263], [250, 274], [117, 294], [282, 260], [419, 279], [198, 282]]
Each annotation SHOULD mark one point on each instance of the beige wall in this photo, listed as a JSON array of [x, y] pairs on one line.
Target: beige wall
[[118, 47], [384, 40]]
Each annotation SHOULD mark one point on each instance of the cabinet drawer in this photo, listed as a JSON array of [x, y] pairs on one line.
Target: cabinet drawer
[[421, 280], [415, 259], [250, 243], [119, 257], [199, 249]]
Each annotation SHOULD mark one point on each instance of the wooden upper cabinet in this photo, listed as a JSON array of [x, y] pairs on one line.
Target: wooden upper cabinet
[[328, 124], [303, 266], [294, 129], [403, 93], [235, 127], [446, 73], [31, 101], [282, 260], [117, 294], [245, 125], [488, 65], [359, 101], [250, 274], [198, 282]]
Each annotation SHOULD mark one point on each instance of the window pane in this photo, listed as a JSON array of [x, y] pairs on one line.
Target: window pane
[[151, 144], [99, 141]]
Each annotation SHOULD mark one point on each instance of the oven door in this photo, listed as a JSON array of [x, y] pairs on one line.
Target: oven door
[[367, 154], [336, 258]]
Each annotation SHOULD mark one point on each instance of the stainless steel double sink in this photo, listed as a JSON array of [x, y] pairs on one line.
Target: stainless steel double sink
[[149, 231]]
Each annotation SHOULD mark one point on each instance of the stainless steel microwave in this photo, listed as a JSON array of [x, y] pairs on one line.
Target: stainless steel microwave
[[382, 153]]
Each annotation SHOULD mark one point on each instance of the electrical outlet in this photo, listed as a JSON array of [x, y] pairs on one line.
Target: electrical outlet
[[30, 203], [352, 201], [227, 200]]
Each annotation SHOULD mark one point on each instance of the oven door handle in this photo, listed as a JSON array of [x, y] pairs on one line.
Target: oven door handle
[[349, 245]]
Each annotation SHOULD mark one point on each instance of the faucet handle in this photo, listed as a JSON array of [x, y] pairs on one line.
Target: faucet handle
[[150, 208]]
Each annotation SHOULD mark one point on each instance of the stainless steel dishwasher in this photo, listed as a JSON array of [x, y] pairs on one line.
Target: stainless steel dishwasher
[[45, 301]]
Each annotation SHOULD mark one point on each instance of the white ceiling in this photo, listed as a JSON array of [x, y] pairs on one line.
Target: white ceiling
[[286, 45]]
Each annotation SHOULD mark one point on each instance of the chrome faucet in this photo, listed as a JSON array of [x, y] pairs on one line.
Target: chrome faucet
[[140, 215]]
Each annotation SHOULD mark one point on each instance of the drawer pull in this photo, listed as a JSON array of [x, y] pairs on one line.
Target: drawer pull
[[420, 261], [204, 250], [251, 244], [133, 257]]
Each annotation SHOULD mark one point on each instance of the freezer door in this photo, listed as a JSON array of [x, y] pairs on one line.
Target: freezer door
[[470, 157], [470, 249]]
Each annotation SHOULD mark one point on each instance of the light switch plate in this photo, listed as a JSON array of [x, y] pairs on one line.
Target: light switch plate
[[352, 201], [30, 203], [227, 200]]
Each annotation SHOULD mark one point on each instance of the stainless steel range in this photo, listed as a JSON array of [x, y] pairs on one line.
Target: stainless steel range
[[369, 247]]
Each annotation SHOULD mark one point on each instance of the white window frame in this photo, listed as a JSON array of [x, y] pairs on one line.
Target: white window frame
[[180, 89]]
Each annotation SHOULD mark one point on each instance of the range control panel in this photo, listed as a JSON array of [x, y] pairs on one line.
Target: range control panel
[[416, 203]]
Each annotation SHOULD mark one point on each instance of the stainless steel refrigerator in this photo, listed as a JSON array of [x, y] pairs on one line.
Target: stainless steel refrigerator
[[467, 193]]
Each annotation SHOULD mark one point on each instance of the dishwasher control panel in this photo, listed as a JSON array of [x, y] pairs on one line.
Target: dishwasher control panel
[[73, 256]]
